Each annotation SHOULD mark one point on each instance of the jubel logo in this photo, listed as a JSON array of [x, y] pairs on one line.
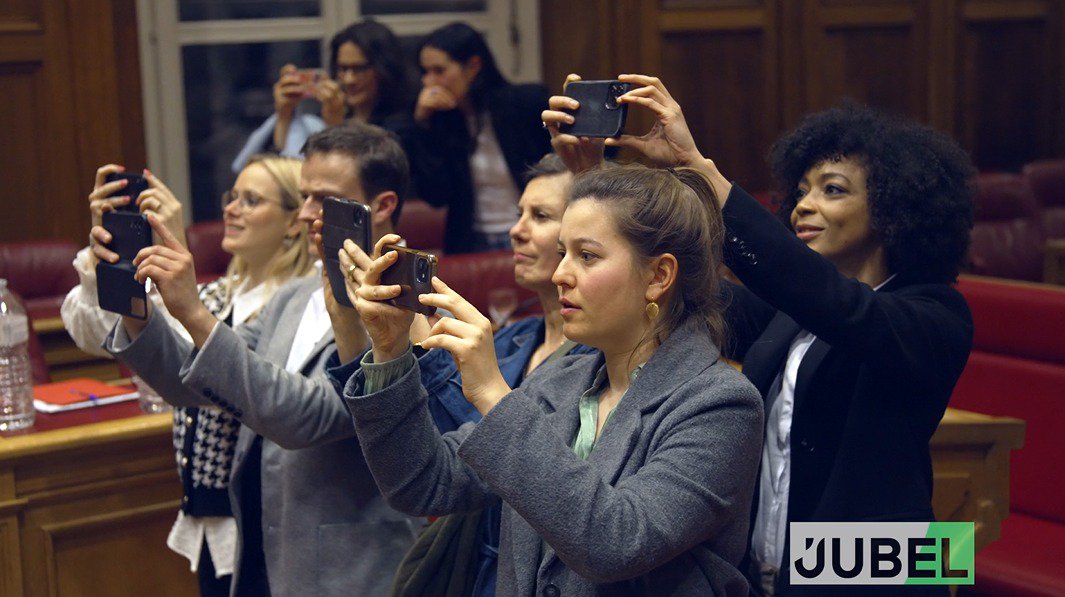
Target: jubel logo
[[882, 553]]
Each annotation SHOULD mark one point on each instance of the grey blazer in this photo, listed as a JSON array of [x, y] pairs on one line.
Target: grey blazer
[[661, 506], [326, 529]]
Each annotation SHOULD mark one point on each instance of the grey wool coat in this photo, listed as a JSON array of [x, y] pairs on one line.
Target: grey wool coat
[[661, 506], [326, 528]]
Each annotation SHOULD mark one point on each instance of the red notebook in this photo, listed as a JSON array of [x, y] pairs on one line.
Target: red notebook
[[78, 393]]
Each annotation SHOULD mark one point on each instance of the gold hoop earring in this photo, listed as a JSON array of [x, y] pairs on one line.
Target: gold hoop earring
[[651, 310]]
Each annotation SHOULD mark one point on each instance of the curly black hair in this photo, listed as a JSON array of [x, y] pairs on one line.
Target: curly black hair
[[919, 183]]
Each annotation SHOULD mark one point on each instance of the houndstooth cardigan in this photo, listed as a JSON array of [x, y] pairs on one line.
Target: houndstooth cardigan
[[204, 438]]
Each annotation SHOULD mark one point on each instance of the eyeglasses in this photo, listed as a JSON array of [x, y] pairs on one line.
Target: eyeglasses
[[248, 200], [355, 69]]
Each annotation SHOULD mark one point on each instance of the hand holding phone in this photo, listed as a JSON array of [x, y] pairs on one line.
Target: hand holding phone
[[599, 114], [136, 185], [413, 272], [343, 219], [116, 288], [309, 79]]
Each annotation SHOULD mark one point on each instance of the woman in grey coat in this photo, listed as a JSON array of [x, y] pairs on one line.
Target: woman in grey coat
[[625, 472]]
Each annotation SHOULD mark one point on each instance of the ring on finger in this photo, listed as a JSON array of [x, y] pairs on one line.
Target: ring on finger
[[351, 271]]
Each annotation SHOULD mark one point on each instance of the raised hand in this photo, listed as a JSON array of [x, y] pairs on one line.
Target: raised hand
[[170, 267], [388, 326], [433, 99], [669, 142], [469, 339], [351, 337], [160, 200], [288, 92], [101, 202], [577, 153], [334, 108]]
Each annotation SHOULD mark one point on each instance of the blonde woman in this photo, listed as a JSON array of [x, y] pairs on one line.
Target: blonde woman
[[269, 247]]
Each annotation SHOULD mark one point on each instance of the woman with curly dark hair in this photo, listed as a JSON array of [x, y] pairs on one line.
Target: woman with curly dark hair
[[847, 322]]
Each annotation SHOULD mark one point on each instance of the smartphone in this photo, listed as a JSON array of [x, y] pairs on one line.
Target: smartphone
[[600, 114], [137, 184], [116, 288], [343, 219], [309, 78], [413, 271]]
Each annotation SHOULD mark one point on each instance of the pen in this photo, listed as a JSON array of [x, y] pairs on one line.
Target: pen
[[86, 395]]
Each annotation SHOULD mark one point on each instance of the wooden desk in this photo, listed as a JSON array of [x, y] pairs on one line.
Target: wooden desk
[[970, 465], [87, 499]]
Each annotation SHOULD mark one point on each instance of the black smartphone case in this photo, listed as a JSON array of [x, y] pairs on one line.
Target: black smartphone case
[[594, 118], [342, 219], [137, 184], [116, 289], [404, 272]]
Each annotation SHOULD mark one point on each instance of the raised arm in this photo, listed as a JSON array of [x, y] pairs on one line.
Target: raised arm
[[921, 331]]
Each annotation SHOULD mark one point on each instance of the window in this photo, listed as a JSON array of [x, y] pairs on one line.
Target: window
[[208, 68]]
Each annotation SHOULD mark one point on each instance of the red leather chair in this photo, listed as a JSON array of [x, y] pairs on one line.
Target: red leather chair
[[1046, 178], [475, 275], [422, 225], [41, 271], [205, 244], [1007, 238]]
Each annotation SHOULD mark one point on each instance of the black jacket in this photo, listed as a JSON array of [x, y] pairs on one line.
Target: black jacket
[[440, 157], [872, 388]]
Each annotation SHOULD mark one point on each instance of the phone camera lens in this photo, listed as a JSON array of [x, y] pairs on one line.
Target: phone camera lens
[[423, 270], [613, 92], [359, 217]]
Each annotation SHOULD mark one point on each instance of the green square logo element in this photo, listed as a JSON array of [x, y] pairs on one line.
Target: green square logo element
[[948, 557]]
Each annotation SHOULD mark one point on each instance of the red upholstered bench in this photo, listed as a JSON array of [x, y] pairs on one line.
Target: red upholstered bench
[[1017, 369], [474, 275], [205, 244], [422, 225], [42, 272]]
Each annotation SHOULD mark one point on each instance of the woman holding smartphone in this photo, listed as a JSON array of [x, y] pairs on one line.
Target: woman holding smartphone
[[848, 323], [598, 459], [520, 348], [368, 80], [269, 247], [476, 135]]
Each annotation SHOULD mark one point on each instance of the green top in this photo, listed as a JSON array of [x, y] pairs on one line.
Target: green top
[[380, 376], [589, 412]]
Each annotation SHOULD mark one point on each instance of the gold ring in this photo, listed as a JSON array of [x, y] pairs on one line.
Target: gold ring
[[351, 271]]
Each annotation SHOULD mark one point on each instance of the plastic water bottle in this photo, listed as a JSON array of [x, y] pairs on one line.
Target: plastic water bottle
[[16, 379]]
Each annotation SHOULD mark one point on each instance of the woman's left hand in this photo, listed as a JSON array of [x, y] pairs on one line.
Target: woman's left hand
[[334, 108], [468, 337], [669, 142]]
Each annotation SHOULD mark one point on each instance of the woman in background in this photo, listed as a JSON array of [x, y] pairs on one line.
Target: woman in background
[[369, 81], [476, 135], [269, 247]]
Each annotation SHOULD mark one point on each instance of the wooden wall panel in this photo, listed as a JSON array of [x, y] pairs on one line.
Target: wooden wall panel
[[869, 51], [874, 65], [1007, 109], [64, 111], [989, 72], [20, 163], [720, 82]]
